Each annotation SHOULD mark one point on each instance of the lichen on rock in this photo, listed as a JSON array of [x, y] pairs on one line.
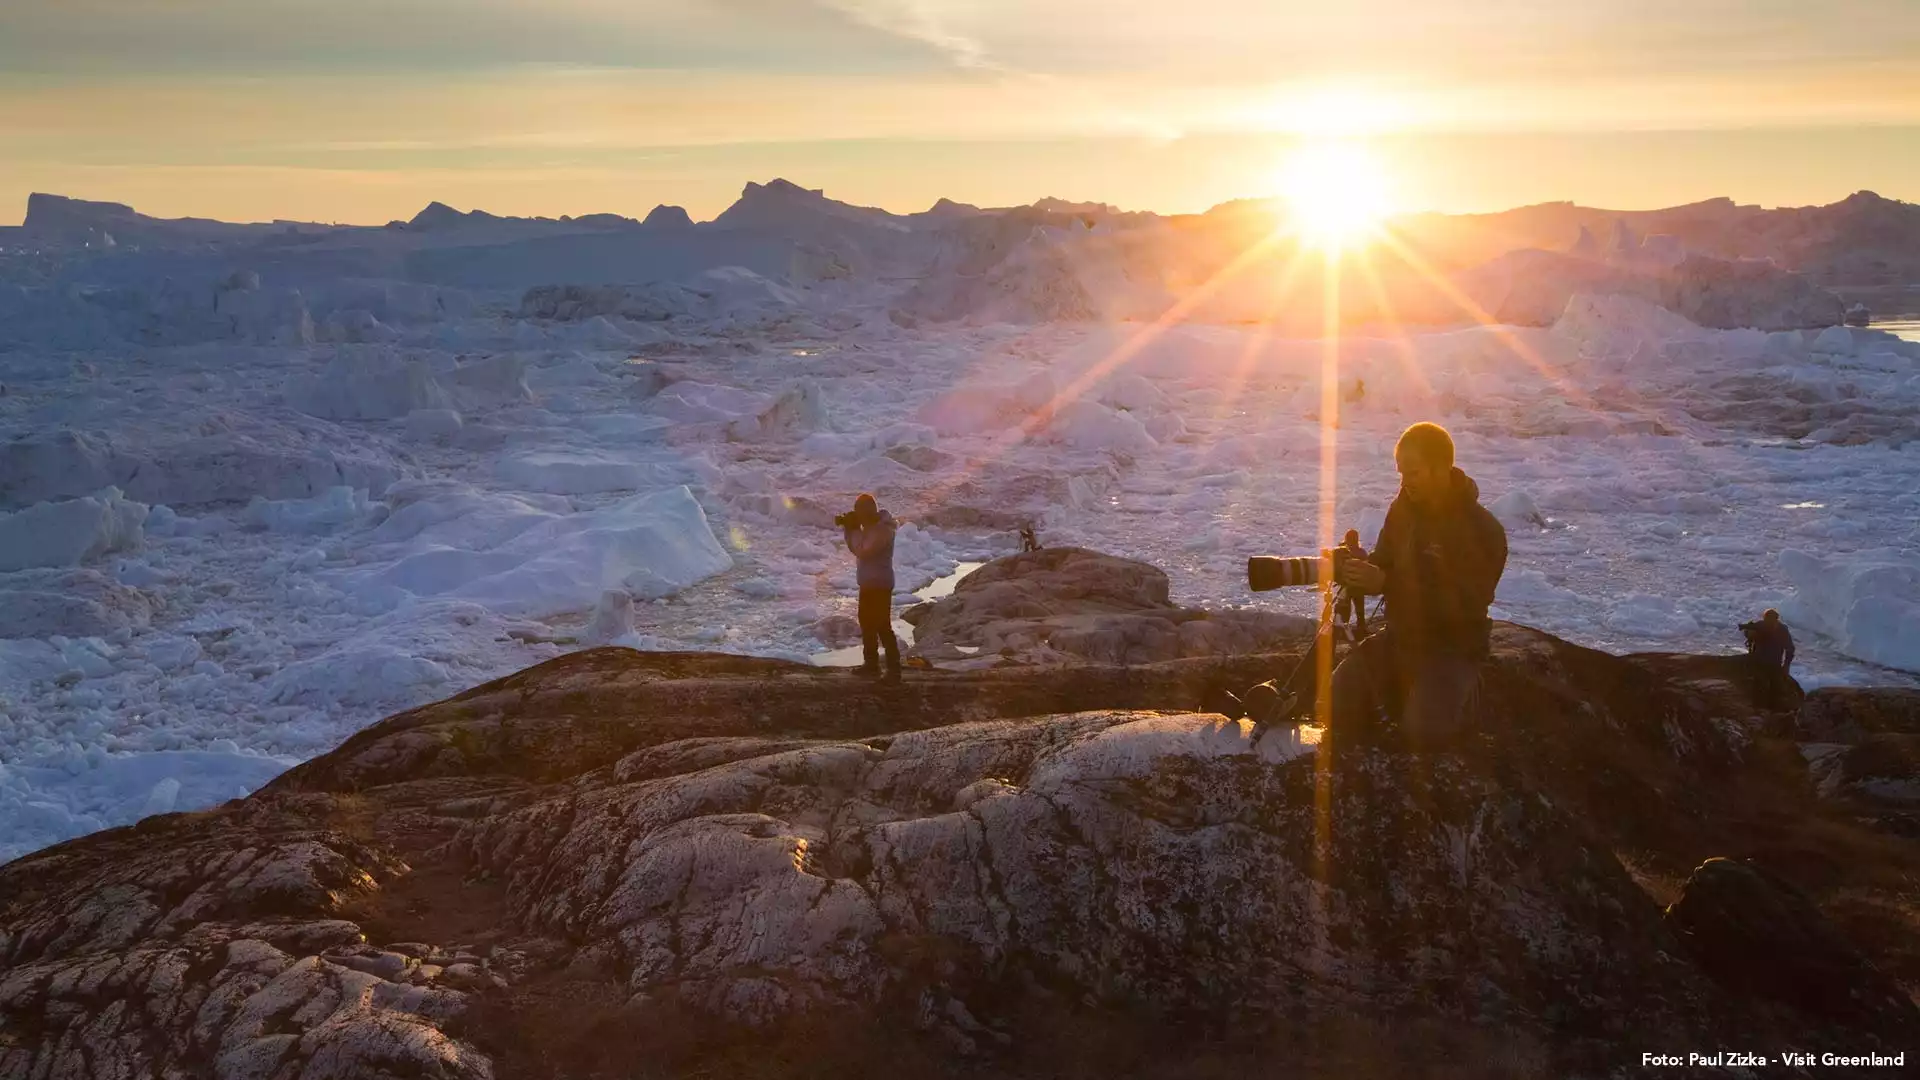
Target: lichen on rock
[[955, 856]]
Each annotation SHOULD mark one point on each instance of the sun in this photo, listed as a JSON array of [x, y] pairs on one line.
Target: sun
[[1337, 193]]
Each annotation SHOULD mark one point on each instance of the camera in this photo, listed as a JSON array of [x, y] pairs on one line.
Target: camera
[[1267, 572], [853, 518]]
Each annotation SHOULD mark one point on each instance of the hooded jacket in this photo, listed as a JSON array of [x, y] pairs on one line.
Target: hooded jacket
[[1771, 643], [872, 547], [1443, 566]]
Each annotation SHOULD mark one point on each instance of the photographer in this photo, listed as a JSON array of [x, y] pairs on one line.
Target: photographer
[[1438, 561], [869, 533], [1770, 652], [1351, 610]]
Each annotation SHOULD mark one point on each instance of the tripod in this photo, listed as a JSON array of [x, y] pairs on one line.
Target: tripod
[[1283, 701]]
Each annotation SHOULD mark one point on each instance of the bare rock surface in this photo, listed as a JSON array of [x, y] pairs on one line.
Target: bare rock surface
[[210, 945], [1863, 753], [1761, 936], [576, 870], [1881, 768], [1071, 605], [1170, 858], [1847, 713]]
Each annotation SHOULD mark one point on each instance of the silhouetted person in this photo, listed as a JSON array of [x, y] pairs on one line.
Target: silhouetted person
[[1350, 609], [869, 532], [1770, 653], [1438, 562]]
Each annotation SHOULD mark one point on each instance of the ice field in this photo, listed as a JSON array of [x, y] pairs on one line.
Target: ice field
[[221, 557]]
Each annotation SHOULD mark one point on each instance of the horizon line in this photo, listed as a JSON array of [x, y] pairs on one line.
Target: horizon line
[[822, 193]]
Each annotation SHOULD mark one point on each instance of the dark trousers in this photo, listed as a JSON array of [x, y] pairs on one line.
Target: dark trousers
[[1429, 696], [876, 628], [1353, 611], [1769, 683]]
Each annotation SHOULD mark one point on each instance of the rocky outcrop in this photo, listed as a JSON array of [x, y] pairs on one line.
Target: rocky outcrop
[[1863, 752], [437, 215], [1761, 936], [1073, 605], [1846, 713], [1877, 769], [1147, 857], [617, 842], [175, 949], [780, 203], [944, 210], [668, 217]]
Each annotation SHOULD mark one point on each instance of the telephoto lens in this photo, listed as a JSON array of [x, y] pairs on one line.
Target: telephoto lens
[[1267, 572]]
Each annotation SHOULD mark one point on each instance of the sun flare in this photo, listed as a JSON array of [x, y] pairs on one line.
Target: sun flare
[[1337, 193]]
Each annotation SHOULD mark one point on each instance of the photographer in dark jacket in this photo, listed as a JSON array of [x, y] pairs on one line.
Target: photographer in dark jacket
[[1438, 561], [1770, 653], [869, 533]]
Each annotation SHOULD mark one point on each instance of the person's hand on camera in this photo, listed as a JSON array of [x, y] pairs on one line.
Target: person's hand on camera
[[1363, 576]]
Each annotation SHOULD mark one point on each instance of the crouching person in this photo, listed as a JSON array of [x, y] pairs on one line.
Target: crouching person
[[1438, 562], [869, 533]]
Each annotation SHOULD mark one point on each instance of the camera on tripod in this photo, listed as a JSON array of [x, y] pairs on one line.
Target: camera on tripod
[[1268, 572], [1279, 701]]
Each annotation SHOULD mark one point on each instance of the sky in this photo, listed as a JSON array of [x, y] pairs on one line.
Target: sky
[[365, 110]]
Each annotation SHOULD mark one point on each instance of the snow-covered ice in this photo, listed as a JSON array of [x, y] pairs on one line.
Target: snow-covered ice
[[651, 545], [367, 386], [1867, 603], [228, 544], [69, 532], [336, 508]]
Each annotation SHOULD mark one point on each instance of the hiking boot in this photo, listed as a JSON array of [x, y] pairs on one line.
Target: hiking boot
[[893, 675], [867, 671]]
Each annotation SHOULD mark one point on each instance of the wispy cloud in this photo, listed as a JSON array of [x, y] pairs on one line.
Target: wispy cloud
[[333, 89], [269, 37], [1217, 43], [917, 20]]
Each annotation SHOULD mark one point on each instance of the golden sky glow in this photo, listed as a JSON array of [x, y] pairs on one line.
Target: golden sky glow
[[1336, 190], [363, 110]]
